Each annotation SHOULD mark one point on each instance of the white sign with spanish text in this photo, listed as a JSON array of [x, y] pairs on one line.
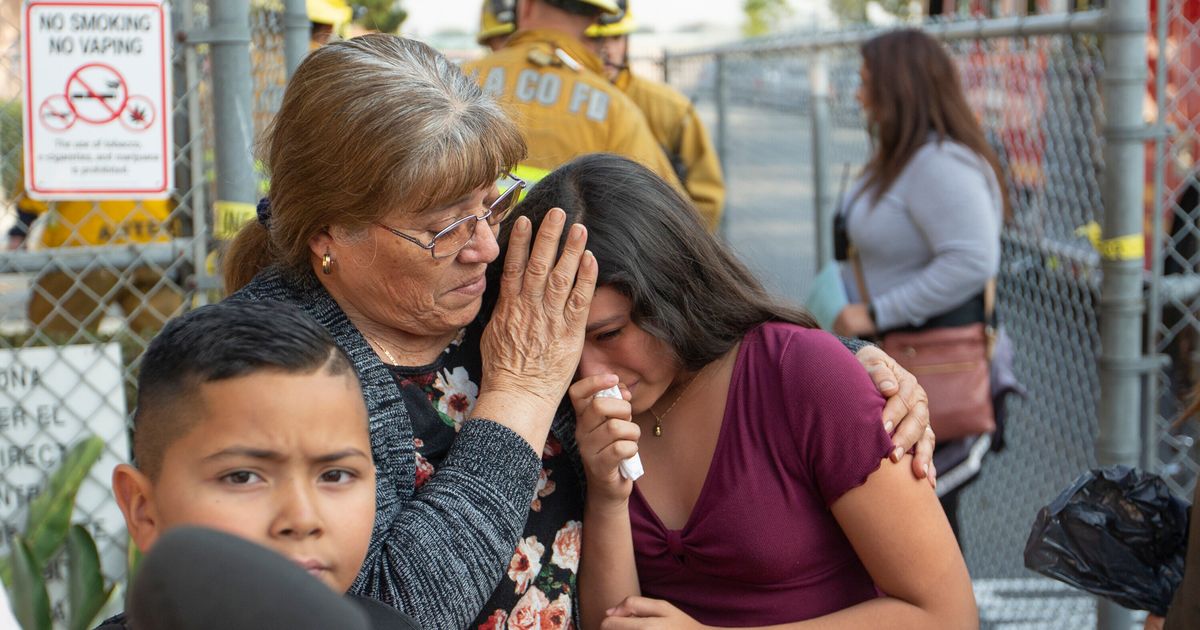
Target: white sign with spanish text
[[51, 399]]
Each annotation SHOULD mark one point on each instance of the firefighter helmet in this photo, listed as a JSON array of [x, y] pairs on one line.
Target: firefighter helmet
[[332, 12], [609, 7], [497, 17], [614, 25]]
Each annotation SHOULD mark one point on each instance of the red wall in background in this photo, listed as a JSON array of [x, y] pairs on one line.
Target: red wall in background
[[1181, 108]]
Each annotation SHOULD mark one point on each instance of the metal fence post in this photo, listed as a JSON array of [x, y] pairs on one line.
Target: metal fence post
[[823, 208], [1153, 297], [1121, 304], [722, 98], [196, 149], [232, 93], [182, 22], [296, 33]]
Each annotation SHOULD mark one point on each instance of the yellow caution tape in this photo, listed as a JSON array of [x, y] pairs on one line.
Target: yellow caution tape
[[1128, 247], [230, 216], [1092, 231], [212, 263]]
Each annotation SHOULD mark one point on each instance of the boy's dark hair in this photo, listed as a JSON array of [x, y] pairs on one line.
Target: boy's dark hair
[[217, 342]]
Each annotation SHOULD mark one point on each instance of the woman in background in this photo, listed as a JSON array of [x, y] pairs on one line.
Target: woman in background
[[925, 215]]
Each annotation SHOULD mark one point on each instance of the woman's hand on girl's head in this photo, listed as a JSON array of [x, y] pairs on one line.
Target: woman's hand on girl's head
[[532, 343], [906, 412], [606, 435], [644, 612]]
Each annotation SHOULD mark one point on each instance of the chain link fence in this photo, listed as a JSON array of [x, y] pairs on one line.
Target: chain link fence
[[791, 133], [1174, 216], [84, 285], [757, 106], [267, 65]]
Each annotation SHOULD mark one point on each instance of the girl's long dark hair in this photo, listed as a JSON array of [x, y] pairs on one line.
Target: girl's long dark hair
[[687, 289], [913, 89]]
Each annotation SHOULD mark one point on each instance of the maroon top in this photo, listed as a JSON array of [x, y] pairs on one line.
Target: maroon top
[[802, 427]]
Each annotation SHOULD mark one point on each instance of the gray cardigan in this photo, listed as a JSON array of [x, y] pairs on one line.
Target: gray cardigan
[[439, 553], [932, 241]]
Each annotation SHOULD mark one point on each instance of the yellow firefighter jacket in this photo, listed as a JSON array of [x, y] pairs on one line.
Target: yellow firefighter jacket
[[682, 135], [110, 222], [551, 85]]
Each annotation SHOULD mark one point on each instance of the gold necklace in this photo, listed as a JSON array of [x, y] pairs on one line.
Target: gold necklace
[[386, 353], [659, 418]]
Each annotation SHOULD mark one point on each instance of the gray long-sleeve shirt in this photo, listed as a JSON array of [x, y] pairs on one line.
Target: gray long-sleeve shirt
[[932, 241]]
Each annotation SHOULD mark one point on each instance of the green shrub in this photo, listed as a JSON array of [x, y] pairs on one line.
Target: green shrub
[[47, 529]]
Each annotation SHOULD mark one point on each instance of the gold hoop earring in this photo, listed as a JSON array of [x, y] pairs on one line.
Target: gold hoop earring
[[327, 264]]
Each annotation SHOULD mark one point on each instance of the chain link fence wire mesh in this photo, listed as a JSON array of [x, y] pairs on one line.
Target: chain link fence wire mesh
[[1175, 290], [84, 285], [267, 66], [1038, 98], [757, 109]]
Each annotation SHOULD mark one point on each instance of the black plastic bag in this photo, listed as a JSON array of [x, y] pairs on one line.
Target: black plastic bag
[[1115, 532]]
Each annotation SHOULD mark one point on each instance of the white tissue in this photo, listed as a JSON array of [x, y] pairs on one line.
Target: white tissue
[[630, 468]]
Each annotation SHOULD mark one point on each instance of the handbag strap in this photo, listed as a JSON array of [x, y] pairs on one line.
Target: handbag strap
[[859, 278], [989, 317], [989, 300], [851, 250]]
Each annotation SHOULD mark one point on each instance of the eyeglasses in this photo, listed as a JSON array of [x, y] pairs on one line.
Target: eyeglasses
[[454, 237]]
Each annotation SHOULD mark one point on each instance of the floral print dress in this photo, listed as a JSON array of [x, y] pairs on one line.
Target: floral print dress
[[539, 584]]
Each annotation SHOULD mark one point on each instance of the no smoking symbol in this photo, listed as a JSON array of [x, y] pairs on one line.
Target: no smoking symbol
[[56, 113], [96, 93]]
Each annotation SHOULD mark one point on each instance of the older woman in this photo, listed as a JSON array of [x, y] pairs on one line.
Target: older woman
[[388, 182]]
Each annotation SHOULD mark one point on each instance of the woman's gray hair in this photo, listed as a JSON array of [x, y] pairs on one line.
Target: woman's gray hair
[[369, 126]]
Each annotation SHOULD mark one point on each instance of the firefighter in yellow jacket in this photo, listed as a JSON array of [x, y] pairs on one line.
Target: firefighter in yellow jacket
[[551, 83], [670, 114], [63, 302]]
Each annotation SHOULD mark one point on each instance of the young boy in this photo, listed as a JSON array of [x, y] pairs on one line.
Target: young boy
[[250, 420]]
